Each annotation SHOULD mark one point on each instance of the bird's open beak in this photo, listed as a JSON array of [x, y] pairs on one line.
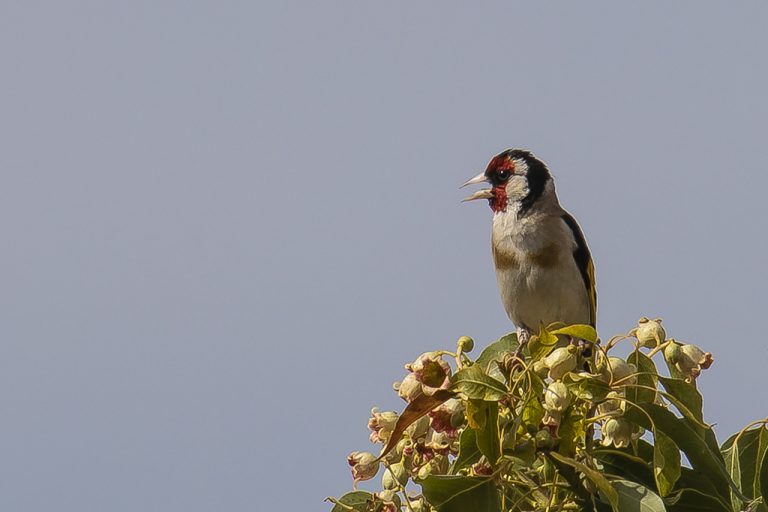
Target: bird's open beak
[[485, 193], [480, 178]]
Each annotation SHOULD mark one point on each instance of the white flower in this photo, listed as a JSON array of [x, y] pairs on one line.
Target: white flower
[[612, 404], [688, 359], [621, 371], [556, 397], [431, 371], [561, 361], [364, 465], [409, 388], [650, 333], [618, 432], [381, 424]]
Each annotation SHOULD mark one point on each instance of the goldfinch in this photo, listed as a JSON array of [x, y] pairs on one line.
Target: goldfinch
[[543, 265]]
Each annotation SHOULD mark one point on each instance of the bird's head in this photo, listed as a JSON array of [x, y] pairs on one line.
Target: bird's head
[[515, 176]]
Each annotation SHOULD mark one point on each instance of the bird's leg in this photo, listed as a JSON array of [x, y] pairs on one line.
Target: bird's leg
[[523, 335], [585, 349]]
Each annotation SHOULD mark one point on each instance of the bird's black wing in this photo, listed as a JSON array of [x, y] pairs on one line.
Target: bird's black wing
[[584, 261]]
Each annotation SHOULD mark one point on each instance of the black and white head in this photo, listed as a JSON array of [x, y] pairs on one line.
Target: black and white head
[[516, 177]]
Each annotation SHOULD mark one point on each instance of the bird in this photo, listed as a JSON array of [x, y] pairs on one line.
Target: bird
[[544, 267]]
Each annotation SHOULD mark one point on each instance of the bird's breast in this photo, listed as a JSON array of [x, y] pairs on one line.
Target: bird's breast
[[520, 243], [536, 272], [507, 257]]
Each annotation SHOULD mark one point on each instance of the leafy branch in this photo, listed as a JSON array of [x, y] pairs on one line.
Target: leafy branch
[[563, 424]]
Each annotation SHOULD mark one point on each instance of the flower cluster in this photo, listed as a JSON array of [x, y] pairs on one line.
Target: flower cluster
[[522, 418], [428, 444]]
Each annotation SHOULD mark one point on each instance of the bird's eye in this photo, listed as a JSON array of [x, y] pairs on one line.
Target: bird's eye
[[502, 174]]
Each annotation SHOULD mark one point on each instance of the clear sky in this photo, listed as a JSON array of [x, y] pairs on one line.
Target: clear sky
[[226, 225]]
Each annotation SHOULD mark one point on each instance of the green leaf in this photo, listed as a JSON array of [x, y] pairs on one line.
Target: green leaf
[[666, 462], [496, 350], [469, 453], [689, 499], [702, 429], [571, 434], [484, 418], [358, 500], [699, 490], [751, 448], [625, 464], [603, 485], [522, 454], [461, 493], [647, 376], [688, 395], [711, 439], [474, 383], [580, 331], [532, 414], [682, 432], [541, 345], [699, 493], [586, 386], [763, 477], [417, 408], [731, 456], [634, 497]]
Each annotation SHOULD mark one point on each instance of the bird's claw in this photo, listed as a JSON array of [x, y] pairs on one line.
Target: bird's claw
[[523, 335]]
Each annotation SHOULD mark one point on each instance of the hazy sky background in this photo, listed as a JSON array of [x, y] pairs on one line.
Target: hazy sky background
[[226, 225]]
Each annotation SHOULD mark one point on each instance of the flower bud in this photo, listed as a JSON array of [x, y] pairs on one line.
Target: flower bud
[[650, 333], [617, 432], [431, 371], [465, 344], [561, 361], [364, 465], [688, 359], [621, 371], [381, 424], [611, 405], [540, 369], [419, 505], [438, 442], [556, 397], [391, 500], [409, 388], [424, 471], [394, 476]]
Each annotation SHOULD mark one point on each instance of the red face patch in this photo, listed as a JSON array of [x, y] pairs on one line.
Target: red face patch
[[500, 168], [499, 201]]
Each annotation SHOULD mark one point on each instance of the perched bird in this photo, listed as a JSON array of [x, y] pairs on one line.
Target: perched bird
[[543, 265]]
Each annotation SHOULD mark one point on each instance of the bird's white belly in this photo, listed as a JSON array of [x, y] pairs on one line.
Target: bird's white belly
[[538, 278], [534, 295]]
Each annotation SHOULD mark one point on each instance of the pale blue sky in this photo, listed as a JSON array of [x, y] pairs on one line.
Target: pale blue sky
[[227, 225]]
